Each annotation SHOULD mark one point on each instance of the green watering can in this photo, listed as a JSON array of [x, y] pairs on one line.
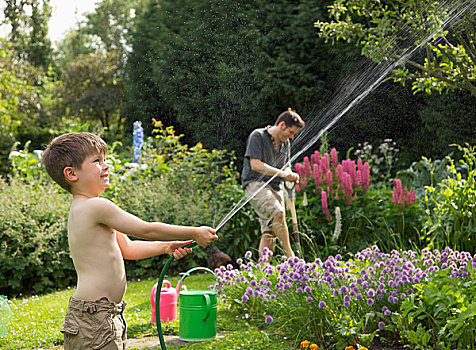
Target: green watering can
[[198, 311]]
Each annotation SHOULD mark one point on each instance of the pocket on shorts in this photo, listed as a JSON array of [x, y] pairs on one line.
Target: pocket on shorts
[[104, 334], [69, 329]]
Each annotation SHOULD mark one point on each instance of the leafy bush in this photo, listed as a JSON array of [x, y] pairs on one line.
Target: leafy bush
[[34, 246], [451, 204]]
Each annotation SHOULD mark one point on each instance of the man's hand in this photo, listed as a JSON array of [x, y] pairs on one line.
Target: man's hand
[[205, 235], [289, 175], [178, 249]]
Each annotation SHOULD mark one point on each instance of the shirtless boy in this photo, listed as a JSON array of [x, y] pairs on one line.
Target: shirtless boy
[[98, 241]]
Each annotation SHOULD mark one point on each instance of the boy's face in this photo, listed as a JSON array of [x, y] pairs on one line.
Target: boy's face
[[93, 175]]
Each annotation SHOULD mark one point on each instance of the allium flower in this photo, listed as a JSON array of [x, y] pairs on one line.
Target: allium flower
[[268, 319]]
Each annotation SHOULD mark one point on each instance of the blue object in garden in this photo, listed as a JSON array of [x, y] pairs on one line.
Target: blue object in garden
[[137, 141]]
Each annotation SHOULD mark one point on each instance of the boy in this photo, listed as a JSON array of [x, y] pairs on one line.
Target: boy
[[97, 236]]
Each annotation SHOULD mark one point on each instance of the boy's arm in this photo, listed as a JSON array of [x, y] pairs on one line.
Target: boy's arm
[[107, 213], [134, 250]]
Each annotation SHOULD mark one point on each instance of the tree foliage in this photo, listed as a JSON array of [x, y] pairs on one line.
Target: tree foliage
[[92, 88], [29, 30], [445, 29], [222, 68]]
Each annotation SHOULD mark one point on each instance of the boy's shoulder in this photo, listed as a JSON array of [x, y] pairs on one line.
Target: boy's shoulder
[[93, 206]]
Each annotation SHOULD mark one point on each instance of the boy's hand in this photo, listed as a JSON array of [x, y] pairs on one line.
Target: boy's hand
[[205, 235], [178, 250]]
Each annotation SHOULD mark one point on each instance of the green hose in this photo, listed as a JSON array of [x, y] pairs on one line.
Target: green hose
[[157, 296]]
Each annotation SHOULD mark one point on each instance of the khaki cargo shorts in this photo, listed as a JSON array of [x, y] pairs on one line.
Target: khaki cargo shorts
[[97, 324], [267, 203]]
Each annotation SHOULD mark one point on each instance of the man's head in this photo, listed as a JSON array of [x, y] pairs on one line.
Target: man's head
[[287, 125], [290, 119], [70, 150]]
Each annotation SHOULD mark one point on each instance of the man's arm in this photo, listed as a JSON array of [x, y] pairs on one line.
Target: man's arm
[[263, 168], [134, 250], [105, 212]]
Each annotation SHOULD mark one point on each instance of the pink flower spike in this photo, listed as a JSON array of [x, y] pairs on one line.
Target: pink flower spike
[[325, 208], [329, 180], [307, 167], [360, 164], [358, 177], [324, 199], [334, 158], [317, 175]]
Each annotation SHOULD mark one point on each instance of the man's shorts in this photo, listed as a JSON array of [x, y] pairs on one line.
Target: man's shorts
[[267, 203], [96, 324]]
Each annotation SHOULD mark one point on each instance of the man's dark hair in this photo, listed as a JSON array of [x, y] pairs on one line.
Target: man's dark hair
[[290, 118]]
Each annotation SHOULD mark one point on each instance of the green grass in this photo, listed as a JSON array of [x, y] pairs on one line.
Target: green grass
[[37, 320]]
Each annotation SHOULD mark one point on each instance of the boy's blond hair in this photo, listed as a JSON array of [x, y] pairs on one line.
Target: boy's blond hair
[[70, 150]]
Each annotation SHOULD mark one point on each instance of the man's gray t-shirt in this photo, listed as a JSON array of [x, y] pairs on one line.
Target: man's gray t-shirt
[[260, 145]]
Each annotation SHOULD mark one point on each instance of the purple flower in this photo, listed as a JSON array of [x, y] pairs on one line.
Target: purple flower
[[370, 301], [268, 319], [310, 299], [307, 289], [244, 298], [381, 324], [371, 293], [322, 304], [387, 312], [248, 255], [344, 289], [358, 296], [347, 298]]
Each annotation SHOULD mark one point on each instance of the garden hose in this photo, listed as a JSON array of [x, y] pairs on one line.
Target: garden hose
[[157, 296]]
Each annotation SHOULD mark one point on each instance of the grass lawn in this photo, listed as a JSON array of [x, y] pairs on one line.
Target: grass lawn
[[37, 320]]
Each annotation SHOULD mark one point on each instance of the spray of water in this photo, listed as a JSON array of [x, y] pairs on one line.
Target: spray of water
[[354, 90]]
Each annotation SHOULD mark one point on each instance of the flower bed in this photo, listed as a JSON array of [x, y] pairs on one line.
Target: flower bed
[[391, 296]]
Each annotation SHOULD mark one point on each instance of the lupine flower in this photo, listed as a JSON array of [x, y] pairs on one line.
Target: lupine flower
[[334, 157], [137, 141], [325, 208]]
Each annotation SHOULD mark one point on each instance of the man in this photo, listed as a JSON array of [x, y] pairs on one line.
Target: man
[[268, 150]]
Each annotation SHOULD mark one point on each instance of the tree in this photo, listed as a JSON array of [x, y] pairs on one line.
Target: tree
[[92, 88], [384, 28], [29, 30], [222, 68]]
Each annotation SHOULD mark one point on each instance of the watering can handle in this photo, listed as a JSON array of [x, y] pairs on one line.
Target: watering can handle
[[186, 274], [207, 301]]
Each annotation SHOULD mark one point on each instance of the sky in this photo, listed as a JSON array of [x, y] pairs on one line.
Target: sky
[[65, 15]]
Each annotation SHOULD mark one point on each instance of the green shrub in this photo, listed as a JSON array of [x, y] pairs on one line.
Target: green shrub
[[34, 246], [451, 205]]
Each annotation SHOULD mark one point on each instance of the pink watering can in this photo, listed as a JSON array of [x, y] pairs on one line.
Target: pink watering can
[[168, 302]]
